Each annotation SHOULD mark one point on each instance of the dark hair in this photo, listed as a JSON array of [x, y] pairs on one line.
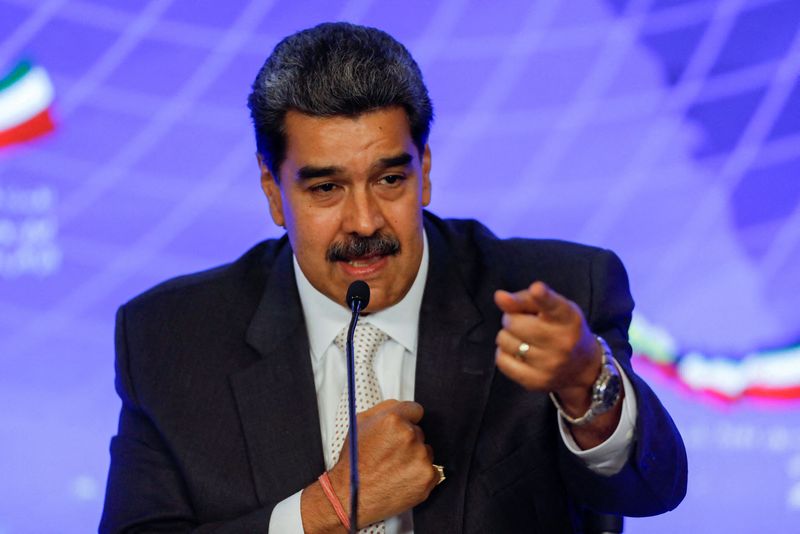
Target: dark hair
[[335, 69]]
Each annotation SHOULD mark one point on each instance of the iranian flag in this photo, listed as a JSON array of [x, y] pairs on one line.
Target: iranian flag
[[26, 95]]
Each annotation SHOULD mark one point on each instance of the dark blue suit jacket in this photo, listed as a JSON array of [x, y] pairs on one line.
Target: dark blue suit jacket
[[219, 417]]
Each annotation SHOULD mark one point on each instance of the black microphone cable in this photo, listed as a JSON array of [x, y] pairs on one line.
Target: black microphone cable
[[357, 300]]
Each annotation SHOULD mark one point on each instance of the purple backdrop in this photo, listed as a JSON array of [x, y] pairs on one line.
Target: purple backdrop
[[667, 130]]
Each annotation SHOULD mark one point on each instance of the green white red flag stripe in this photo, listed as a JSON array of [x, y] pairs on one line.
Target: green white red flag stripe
[[26, 95], [767, 374]]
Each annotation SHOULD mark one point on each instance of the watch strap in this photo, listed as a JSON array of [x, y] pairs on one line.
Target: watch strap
[[595, 408]]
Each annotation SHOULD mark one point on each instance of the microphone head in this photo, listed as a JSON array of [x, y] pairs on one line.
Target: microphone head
[[358, 291]]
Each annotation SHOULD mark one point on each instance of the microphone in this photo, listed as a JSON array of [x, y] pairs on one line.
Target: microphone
[[357, 299], [357, 293]]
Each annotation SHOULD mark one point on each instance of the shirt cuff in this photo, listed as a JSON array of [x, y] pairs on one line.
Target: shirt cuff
[[286, 517], [609, 457]]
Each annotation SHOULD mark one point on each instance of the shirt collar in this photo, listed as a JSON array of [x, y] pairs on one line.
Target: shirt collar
[[325, 318]]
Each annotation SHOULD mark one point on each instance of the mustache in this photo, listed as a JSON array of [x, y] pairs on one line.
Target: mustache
[[357, 246]]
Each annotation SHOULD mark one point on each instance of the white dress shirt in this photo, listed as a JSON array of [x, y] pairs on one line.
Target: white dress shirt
[[395, 365]]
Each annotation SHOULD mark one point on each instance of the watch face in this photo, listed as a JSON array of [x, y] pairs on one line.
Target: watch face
[[607, 390], [611, 391]]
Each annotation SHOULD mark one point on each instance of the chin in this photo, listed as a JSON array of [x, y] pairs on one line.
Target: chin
[[377, 300]]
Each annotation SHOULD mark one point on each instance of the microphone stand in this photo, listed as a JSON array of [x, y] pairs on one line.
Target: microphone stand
[[351, 406]]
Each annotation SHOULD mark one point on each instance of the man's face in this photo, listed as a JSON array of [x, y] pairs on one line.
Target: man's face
[[346, 179]]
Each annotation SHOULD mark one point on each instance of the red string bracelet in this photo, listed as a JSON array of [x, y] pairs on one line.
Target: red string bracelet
[[327, 488]]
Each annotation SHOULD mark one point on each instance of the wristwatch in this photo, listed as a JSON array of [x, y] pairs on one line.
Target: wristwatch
[[606, 390]]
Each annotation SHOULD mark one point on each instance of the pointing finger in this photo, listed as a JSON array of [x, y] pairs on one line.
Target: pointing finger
[[516, 302], [537, 298], [549, 303]]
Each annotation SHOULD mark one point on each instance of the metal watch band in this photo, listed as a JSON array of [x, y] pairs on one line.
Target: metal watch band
[[595, 407]]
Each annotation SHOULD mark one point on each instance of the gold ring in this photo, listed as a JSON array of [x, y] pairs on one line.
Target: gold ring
[[439, 469], [522, 350]]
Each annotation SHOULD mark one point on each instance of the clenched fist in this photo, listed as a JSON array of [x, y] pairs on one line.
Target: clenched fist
[[395, 469]]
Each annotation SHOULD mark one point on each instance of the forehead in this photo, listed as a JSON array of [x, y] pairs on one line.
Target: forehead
[[342, 139]]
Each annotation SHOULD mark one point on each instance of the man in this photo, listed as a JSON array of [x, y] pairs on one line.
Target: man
[[231, 379]]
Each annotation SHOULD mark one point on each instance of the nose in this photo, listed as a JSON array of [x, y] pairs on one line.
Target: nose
[[363, 214]]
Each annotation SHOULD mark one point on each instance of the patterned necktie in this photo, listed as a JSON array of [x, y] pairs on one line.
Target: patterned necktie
[[366, 341]]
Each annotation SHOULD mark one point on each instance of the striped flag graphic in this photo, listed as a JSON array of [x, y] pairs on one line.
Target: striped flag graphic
[[26, 95]]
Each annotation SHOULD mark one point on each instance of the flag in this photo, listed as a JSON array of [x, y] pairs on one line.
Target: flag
[[26, 96]]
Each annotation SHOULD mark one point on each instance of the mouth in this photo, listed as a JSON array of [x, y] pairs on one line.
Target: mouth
[[364, 266], [364, 261], [362, 257]]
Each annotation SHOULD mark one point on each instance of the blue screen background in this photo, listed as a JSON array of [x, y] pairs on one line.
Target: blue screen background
[[666, 130]]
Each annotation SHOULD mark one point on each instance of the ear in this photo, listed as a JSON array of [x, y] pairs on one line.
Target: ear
[[273, 191], [426, 176]]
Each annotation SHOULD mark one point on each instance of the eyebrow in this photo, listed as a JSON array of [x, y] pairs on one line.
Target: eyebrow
[[308, 172], [400, 160]]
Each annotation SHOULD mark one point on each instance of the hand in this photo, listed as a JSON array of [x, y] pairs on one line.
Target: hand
[[564, 356], [395, 464]]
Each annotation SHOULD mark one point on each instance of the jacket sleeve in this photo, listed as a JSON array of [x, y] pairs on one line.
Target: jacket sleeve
[[654, 479], [145, 491]]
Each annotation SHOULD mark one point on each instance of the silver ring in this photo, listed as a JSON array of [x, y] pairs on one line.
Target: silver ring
[[522, 350]]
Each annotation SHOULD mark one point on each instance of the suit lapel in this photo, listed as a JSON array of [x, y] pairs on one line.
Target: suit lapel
[[275, 396], [455, 366]]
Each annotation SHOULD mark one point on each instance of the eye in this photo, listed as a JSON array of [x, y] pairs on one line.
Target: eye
[[326, 187], [393, 179]]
